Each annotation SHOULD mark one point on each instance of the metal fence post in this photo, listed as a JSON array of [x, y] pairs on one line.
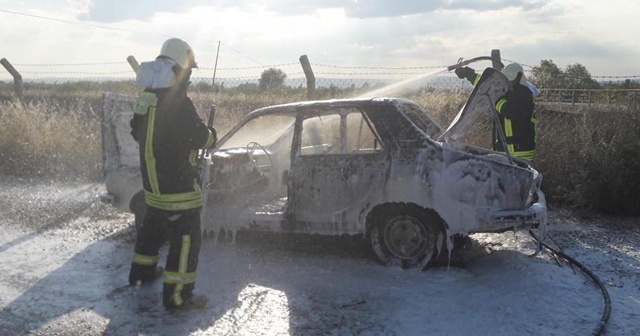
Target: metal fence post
[[133, 63], [311, 78], [495, 62], [17, 77]]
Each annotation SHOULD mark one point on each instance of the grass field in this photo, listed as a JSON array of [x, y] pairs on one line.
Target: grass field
[[590, 159]]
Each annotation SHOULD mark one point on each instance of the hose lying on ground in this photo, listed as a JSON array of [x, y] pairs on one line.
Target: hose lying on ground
[[605, 294]]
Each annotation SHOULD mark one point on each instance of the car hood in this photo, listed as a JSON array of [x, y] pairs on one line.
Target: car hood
[[491, 86]]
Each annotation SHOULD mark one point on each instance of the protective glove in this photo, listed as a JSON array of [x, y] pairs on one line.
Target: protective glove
[[465, 72]]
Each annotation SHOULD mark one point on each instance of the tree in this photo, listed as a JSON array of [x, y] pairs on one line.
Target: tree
[[575, 76], [272, 79], [547, 75], [578, 77]]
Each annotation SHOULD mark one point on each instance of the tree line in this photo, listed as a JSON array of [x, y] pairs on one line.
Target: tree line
[[575, 76], [545, 75]]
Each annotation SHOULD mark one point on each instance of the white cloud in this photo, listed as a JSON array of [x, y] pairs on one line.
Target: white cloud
[[600, 36]]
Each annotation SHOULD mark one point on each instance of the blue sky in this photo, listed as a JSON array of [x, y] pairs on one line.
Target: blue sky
[[601, 35]]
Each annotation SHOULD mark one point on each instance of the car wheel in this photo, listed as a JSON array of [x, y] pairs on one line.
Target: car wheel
[[406, 236]]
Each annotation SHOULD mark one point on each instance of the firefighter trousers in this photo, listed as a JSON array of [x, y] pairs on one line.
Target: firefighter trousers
[[182, 230]]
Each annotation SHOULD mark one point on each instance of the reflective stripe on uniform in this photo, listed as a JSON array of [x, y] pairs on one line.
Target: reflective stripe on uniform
[[508, 129], [475, 82], [210, 140], [173, 198], [500, 103], [192, 157], [174, 202], [144, 260], [182, 276], [149, 158], [527, 155], [179, 278]]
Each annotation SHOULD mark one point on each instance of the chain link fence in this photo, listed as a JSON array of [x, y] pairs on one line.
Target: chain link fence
[[588, 146]]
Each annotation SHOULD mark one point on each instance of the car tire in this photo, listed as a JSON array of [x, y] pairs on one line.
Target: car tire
[[406, 236]]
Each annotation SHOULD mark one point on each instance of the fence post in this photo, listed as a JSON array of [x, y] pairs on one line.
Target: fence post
[[17, 77], [311, 78], [133, 63], [495, 55]]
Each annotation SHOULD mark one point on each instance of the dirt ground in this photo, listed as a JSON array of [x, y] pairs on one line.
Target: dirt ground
[[64, 259]]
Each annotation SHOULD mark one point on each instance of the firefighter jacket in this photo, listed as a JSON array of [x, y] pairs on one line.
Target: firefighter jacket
[[517, 121], [169, 133]]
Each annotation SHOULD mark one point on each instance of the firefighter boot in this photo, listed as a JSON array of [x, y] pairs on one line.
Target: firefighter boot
[[140, 275]]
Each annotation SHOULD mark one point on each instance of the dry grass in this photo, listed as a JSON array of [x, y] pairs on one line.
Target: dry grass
[[48, 141], [589, 159]]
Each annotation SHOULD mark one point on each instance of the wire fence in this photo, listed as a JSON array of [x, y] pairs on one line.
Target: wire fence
[[588, 147]]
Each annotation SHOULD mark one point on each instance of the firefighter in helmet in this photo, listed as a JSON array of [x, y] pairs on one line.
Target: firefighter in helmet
[[169, 133], [515, 108]]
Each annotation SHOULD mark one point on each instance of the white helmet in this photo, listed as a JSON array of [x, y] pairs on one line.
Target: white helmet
[[179, 51], [512, 70]]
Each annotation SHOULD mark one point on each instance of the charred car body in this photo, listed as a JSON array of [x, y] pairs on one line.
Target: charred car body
[[376, 167]]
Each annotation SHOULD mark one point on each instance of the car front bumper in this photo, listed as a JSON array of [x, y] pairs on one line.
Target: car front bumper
[[533, 217]]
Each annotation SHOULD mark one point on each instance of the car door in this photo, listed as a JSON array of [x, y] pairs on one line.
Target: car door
[[336, 173]]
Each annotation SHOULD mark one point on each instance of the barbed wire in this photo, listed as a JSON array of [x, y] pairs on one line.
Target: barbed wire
[[68, 64], [352, 71], [368, 73], [87, 24], [592, 76], [251, 68], [378, 67], [75, 72], [280, 65]]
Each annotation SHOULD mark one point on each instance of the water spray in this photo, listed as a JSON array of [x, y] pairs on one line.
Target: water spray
[[389, 89]]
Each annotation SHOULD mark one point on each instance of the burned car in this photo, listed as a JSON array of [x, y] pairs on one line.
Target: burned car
[[379, 168]]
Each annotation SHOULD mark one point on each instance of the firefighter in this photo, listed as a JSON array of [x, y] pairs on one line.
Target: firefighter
[[169, 133], [515, 109]]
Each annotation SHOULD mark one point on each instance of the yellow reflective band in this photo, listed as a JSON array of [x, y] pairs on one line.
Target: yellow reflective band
[[476, 80], [175, 202], [184, 253], [144, 260], [192, 157], [510, 149], [499, 104], [176, 278], [180, 197], [527, 155], [175, 206], [508, 130], [182, 268], [209, 140], [149, 158]]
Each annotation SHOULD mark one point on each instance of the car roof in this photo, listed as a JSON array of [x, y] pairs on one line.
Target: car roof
[[297, 107]]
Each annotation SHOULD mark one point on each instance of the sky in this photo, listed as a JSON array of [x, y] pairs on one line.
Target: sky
[[94, 37]]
